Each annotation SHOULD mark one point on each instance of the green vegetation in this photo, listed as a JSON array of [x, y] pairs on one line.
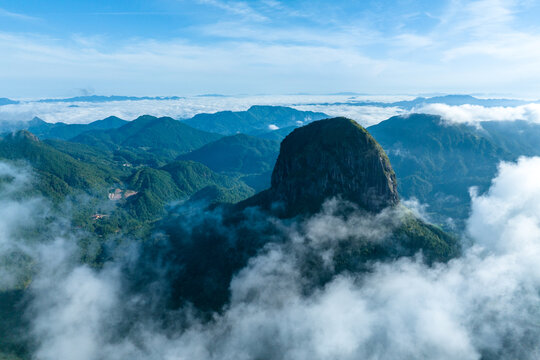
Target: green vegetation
[[62, 131], [60, 174], [237, 154], [178, 181], [437, 162], [120, 181], [164, 137], [12, 321]]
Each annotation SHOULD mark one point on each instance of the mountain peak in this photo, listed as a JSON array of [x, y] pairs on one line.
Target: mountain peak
[[327, 158]]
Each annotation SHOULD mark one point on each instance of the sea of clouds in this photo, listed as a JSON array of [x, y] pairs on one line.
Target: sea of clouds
[[484, 304], [333, 105], [85, 112]]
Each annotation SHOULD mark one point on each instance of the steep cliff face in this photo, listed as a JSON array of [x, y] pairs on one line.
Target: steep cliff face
[[327, 158]]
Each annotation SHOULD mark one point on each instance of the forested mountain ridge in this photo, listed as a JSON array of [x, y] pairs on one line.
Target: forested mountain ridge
[[437, 161], [257, 119], [163, 137]]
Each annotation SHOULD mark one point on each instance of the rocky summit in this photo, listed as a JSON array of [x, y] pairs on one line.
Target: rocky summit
[[328, 158]]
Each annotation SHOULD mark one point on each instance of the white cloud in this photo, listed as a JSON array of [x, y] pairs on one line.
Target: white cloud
[[473, 114], [483, 303], [236, 8], [477, 304], [178, 66], [471, 40], [364, 115]]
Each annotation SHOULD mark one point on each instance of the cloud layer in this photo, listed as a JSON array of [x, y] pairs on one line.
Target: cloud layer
[[482, 304], [81, 112]]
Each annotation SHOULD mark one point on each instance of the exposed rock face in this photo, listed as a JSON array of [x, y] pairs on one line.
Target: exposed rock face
[[22, 135], [331, 157], [327, 158]]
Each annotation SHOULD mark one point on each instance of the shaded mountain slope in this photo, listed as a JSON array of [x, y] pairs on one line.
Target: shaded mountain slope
[[519, 137], [237, 153]]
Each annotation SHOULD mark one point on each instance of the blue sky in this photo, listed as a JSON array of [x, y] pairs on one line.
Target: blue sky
[[179, 47]]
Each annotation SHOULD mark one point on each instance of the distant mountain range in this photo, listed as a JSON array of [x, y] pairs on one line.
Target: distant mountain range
[[59, 130], [6, 101], [101, 98], [446, 99], [404, 104]]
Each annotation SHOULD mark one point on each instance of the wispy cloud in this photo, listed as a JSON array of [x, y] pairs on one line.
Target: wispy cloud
[[18, 16], [277, 47], [240, 8]]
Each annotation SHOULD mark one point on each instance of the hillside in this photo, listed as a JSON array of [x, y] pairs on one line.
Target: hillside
[[177, 181], [60, 174], [516, 137]]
